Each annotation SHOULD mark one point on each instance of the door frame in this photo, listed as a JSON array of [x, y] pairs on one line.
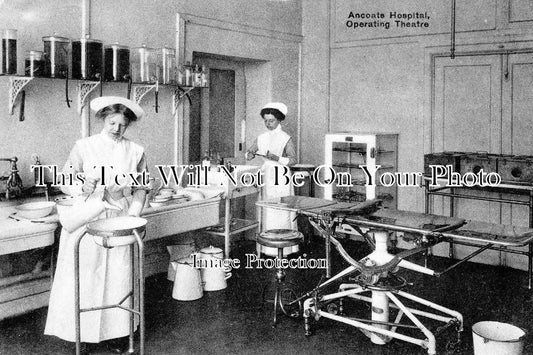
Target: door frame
[[239, 105]]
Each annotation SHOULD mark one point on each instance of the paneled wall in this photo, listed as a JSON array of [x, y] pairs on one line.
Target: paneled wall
[[375, 78], [380, 75]]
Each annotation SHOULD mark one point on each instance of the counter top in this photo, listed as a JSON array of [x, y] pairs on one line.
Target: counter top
[[172, 218], [17, 236]]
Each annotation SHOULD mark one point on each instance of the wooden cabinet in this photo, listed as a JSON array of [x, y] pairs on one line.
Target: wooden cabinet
[[356, 162]]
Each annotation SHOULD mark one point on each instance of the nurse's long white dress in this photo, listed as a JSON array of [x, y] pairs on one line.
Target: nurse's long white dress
[[274, 142], [105, 274]]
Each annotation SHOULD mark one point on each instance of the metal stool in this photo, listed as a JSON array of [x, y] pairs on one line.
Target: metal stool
[[109, 233], [279, 239]]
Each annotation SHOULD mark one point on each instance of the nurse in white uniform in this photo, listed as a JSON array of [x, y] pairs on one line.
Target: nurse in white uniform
[[104, 273], [276, 148]]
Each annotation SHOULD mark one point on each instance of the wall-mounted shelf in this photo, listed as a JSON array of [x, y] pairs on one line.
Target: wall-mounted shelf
[[178, 94], [84, 89], [140, 90], [16, 84]]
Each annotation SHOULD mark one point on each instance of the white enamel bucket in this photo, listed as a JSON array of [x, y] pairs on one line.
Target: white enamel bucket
[[214, 274], [496, 338]]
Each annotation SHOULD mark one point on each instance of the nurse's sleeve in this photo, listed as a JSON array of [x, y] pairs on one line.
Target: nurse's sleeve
[[252, 150], [138, 193], [73, 166], [289, 154]]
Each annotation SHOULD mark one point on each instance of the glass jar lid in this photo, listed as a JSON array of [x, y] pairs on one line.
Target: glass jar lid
[[37, 55], [56, 39], [116, 46], [88, 40]]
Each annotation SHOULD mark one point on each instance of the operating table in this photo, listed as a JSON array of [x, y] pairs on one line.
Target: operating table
[[374, 276]]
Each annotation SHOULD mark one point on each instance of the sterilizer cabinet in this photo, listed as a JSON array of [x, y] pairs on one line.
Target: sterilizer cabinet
[[354, 164]]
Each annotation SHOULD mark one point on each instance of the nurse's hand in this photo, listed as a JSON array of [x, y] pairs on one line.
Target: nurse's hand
[[250, 155], [109, 206], [90, 184], [272, 156], [110, 203]]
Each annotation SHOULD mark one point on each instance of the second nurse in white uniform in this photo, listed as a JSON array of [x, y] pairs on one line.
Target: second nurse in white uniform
[[277, 149]]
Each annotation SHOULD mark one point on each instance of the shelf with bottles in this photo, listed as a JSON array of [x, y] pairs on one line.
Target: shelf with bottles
[[18, 83], [144, 69]]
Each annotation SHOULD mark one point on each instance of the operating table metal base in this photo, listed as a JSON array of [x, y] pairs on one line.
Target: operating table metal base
[[379, 329]]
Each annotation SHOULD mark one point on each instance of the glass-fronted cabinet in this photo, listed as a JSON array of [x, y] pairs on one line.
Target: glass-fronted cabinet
[[360, 166]]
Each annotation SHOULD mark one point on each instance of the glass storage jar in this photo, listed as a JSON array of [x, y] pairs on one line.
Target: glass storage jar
[[87, 59], [34, 64], [56, 56], [143, 64], [116, 62], [167, 65]]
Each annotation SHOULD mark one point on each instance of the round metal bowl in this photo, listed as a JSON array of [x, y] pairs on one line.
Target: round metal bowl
[[116, 231], [34, 210]]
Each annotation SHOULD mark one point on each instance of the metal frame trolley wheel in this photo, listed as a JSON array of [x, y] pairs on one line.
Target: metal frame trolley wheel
[[115, 232]]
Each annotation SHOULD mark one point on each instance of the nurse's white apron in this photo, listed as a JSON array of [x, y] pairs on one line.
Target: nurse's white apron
[[274, 141], [105, 274]]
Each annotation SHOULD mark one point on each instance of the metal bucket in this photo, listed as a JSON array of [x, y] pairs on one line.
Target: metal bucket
[[497, 338]]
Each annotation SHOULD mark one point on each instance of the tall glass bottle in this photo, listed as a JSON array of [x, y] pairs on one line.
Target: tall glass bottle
[[188, 75], [9, 52], [167, 64]]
